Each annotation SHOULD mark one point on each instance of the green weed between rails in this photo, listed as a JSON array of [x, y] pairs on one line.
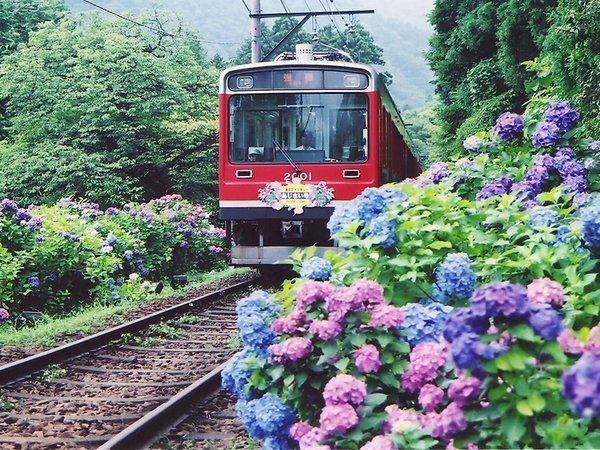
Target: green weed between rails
[[9, 405], [89, 319], [52, 372]]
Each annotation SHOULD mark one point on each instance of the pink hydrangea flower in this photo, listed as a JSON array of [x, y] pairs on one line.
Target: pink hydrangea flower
[[340, 303], [593, 342], [293, 349], [343, 389], [366, 359], [338, 418], [299, 429], [386, 316], [403, 418], [379, 443], [369, 293], [569, 343], [544, 290], [424, 361], [430, 396], [294, 321], [325, 329], [463, 390], [311, 437], [4, 315], [447, 423], [313, 291]]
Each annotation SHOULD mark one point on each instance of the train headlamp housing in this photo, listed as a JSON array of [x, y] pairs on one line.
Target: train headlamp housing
[[351, 81], [245, 82]]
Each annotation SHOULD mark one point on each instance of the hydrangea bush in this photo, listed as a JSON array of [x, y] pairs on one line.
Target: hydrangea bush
[[462, 314], [53, 258]]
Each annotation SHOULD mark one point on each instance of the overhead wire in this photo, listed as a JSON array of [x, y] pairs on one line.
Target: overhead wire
[[155, 30]]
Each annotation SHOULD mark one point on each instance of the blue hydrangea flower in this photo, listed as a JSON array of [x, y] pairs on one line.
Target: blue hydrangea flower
[[562, 115], [544, 320], [508, 126], [581, 385], [246, 411], [545, 134], [543, 217], [594, 147], [424, 321], [316, 268], [454, 277], [383, 230], [236, 375], [590, 219], [273, 416], [342, 215], [258, 303], [468, 351], [255, 331], [369, 204]]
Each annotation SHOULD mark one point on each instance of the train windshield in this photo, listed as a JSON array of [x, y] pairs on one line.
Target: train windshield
[[315, 128]]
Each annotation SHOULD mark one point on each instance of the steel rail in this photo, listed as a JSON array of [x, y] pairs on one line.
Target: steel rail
[[17, 369], [147, 429]]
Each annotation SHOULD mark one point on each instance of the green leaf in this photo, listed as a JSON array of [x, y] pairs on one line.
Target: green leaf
[[523, 332], [386, 339], [437, 245], [389, 379], [536, 401], [524, 408], [512, 428], [374, 400], [342, 364]]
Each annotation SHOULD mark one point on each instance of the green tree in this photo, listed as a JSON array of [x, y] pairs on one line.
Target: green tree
[[140, 105], [19, 18], [477, 54]]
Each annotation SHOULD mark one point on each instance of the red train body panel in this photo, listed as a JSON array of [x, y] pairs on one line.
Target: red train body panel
[[298, 138]]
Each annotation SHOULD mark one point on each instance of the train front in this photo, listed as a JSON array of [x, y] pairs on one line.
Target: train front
[[294, 143]]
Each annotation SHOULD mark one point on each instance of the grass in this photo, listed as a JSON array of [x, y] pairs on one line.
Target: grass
[[89, 319]]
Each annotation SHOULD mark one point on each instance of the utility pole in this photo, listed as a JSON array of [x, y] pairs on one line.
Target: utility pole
[[256, 15], [255, 31]]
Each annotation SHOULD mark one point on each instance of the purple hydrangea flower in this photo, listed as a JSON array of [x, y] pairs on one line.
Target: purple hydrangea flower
[[454, 277], [545, 134], [338, 418], [496, 187], [343, 389], [449, 422], [399, 418], [34, 281], [562, 115], [464, 320], [4, 315], [581, 385], [544, 320], [316, 268], [508, 126], [367, 292], [464, 390], [366, 359], [472, 143], [9, 205], [468, 350], [503, 299]]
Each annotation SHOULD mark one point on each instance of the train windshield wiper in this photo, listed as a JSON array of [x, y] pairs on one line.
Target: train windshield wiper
[[297, 169]]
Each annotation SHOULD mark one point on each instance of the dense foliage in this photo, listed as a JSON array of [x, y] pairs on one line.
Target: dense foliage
[[54, 258], [478, 52], [462, 314], [109, 112]]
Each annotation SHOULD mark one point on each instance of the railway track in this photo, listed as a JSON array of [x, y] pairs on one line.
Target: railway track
[[124, 387]]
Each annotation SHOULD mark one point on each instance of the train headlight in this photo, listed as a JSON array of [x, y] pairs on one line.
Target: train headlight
[[245, 82], [351, 81]]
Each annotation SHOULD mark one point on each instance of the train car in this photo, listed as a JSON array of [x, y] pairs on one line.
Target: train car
[[299, 136]]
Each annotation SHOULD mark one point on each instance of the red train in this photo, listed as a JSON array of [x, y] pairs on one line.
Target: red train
[[298, 137]]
